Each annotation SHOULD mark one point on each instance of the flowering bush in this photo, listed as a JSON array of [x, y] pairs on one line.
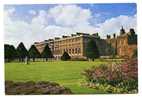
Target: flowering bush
[[34, 88], [119, 75]]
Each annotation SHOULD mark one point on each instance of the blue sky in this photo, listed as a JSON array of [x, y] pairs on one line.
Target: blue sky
[[105, 10], [43, 21]]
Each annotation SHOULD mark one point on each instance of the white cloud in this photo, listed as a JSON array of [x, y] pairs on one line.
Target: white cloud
[[66, 20], [114, 24], [70, 15], [57, 21], [32, 12], [57, 31], [16, 32], [41, 18], [11, 11]]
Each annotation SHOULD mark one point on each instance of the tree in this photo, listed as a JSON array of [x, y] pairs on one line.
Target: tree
[[135, 54], [92, 50], [22, 52], [9, 52], [33, 53], [47, 53], [65, 56]]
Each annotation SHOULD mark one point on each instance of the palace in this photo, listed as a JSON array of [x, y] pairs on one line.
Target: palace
[[121, 46]]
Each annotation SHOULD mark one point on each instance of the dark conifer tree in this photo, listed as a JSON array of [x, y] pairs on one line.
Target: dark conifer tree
[[9, 52], [22, 52], [92, 50], [65, 56], [47, 53], [33, 53]]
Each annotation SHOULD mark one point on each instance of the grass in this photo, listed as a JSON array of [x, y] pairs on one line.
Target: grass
[[66, 73]]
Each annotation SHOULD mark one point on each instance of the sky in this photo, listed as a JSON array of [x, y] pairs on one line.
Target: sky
[[37, 22]]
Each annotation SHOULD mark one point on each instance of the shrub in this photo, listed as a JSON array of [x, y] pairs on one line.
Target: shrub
[[120, 75], [32, 88], [65, 56]]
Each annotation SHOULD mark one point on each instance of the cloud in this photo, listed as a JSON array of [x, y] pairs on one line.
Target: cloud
[[70, 19], [16, 31], [114, 24], [11, 11], [57, 31], [32, 12], [70, 15], [57, 21]]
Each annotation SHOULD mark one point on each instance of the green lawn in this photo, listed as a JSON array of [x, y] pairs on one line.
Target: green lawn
[[66, 73]]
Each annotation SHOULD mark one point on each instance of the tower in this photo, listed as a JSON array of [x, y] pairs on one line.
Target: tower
[[122, 31]]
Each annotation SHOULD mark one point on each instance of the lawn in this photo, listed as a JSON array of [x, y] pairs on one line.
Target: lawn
[[66, 73]]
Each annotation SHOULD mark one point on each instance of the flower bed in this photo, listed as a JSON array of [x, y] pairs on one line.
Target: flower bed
[[32, 88], [115, 77]]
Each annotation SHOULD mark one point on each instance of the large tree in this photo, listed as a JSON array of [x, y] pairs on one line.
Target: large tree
[[33, 53], [92, 50], [47, 53], [9, 52], [22, 52], [65, 56]]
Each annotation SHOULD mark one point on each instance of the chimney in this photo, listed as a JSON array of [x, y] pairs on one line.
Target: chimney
[[108, 36], [57, 38], [78, 33], [73, 35], [95, 34], [114, 35], [122, 31], [64, 36]]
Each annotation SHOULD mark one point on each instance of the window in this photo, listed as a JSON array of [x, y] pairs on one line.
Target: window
[[70, 51], [73, 51], [79, 50]]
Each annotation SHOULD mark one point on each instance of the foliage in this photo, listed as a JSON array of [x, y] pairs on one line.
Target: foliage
[[21, 52], [132, 38], [92, 50], [121, 75], [47, 52], [9, 52], [135, 53], [33, 52], [32, 88], [111, 89], [65, 56]]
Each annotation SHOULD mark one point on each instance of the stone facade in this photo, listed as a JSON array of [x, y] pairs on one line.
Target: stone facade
[[121, 44], [75, 45]]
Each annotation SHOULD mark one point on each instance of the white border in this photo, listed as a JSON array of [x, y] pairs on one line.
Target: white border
[[139, 30], [65, 1]]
